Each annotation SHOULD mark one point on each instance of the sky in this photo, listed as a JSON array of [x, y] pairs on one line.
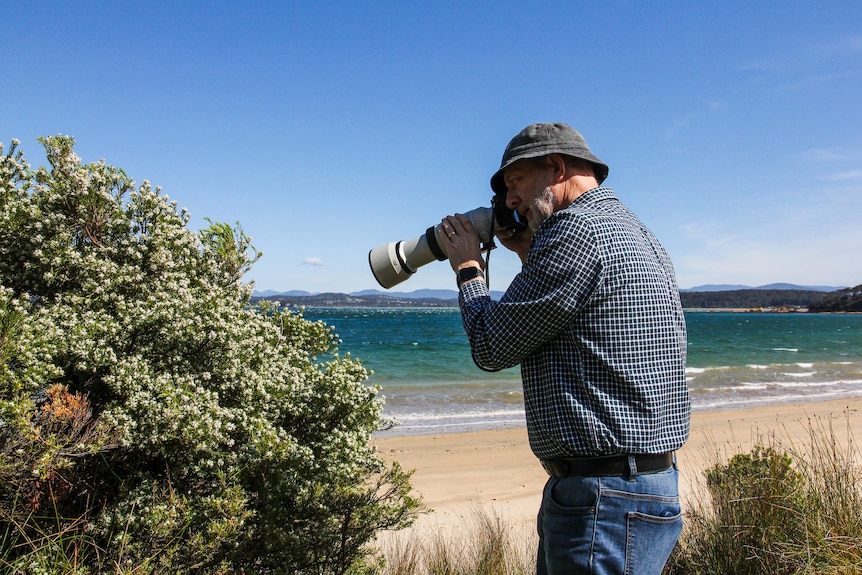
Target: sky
[[325, 129]]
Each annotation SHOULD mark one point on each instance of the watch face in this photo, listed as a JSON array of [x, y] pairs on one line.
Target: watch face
[[468, 274]]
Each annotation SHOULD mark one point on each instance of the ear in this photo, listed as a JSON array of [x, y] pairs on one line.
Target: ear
[[557, 163]]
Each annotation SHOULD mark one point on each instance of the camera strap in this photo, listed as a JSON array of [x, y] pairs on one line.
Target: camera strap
[[487, 247]]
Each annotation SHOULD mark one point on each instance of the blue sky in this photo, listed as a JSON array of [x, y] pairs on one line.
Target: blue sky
[[327, 128]]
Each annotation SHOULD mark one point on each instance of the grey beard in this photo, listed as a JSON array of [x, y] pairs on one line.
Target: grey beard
[[542, 208]]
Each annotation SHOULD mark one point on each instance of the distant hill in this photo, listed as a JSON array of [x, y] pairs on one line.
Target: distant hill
[[441, 294], [446, 294], [753, 298], [773, 296], [271, 293], [778, 286], [418, 294], [353, 300], [845, 300]]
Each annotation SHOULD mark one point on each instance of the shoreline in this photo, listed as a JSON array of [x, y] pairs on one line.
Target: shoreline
[[494, 469]]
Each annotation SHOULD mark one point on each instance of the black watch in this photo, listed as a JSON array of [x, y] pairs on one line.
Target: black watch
[[467, 274]]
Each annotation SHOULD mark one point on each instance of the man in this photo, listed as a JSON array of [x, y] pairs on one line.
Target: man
[[595, 322]]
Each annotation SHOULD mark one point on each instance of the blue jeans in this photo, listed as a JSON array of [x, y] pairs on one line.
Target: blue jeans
[[609, 525]]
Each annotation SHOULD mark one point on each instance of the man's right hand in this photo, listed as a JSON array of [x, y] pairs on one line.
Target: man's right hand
[[518, 242]]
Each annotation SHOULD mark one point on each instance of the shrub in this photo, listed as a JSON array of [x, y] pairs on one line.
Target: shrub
[[777, 511], [151, 421]]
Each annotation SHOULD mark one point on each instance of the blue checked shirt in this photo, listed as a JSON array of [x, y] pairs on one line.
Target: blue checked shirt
[[594, 320]]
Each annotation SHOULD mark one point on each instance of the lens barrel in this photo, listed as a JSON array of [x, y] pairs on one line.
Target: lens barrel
[[395, 262]]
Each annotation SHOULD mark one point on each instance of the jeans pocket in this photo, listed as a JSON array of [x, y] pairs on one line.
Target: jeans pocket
[[573, 496], [650, 539], [567, 522]]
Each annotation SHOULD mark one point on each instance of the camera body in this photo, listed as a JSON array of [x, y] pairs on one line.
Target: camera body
[[395, 262]]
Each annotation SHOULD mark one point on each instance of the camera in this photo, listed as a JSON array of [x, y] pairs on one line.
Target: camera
[[395, 262]]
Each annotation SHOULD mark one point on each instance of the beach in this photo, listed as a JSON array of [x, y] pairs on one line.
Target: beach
[[495, 470]]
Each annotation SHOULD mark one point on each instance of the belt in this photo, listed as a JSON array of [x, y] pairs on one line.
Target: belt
[[608, 466]]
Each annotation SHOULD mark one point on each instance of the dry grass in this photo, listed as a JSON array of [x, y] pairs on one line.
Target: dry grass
[[792, 506], [487, 545]]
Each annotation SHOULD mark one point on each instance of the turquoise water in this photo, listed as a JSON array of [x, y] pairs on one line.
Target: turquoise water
[[421, 360]]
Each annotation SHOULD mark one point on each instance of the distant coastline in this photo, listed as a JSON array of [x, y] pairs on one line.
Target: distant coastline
[[780, 300], [337, 300]]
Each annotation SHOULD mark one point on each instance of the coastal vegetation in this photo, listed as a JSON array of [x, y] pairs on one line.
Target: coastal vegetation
[[845, 300], [790, 506], [750, 299], [151, 419]]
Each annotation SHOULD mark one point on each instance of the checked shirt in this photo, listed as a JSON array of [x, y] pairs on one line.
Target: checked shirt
[[595, 322]]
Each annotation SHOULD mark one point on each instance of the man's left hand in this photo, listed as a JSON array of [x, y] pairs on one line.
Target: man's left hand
[[461, 242]]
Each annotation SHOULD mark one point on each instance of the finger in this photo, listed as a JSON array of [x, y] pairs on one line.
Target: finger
[[464, 222], [448, 228]]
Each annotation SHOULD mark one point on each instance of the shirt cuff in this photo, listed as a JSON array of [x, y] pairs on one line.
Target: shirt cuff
[[472, 290]]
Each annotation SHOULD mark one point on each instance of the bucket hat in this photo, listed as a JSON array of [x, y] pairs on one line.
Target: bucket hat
[[538, 140]]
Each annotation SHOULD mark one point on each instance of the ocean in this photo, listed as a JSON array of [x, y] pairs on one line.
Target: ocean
[[421, 360]]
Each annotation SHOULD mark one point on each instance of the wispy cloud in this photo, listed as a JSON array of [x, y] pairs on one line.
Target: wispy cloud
[[813, 79], [685, 121], [829, 154], [313, 261], [849, 175], [716, 105], [811, 64], [846, 45]]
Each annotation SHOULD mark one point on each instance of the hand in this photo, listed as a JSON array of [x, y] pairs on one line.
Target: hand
[[460, 241], [518, 242]]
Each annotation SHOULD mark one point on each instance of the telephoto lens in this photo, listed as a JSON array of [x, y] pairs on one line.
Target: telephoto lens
[[395, 262]]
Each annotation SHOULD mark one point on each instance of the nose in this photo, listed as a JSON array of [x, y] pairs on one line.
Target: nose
[[512, 199]]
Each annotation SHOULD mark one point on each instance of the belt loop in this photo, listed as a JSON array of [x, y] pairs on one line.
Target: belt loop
[[632, 468]]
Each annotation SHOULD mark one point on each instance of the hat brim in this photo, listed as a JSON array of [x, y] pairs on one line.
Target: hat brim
[[498, 184]]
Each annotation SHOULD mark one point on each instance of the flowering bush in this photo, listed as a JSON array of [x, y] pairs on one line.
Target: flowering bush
[[151, 420]]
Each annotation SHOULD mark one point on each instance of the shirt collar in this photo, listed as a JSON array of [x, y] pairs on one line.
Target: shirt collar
[[594, 195]]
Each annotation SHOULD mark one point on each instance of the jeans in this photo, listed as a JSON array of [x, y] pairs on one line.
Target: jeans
[[609, 525]]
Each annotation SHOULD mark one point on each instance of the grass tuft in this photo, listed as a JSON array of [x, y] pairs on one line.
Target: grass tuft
[[793, 510], [487, 546]]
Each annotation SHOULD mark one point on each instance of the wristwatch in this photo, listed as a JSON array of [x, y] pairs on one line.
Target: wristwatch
[[467, 274]]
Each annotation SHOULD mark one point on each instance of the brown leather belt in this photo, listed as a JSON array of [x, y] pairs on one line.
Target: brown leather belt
[[608, 466]]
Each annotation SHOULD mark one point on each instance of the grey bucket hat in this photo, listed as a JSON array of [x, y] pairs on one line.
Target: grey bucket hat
[[539, 140]]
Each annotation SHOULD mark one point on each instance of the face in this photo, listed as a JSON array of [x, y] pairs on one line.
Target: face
[[529, 191]]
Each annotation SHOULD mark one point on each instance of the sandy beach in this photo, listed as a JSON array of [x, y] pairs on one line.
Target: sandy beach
[[495, 469]]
